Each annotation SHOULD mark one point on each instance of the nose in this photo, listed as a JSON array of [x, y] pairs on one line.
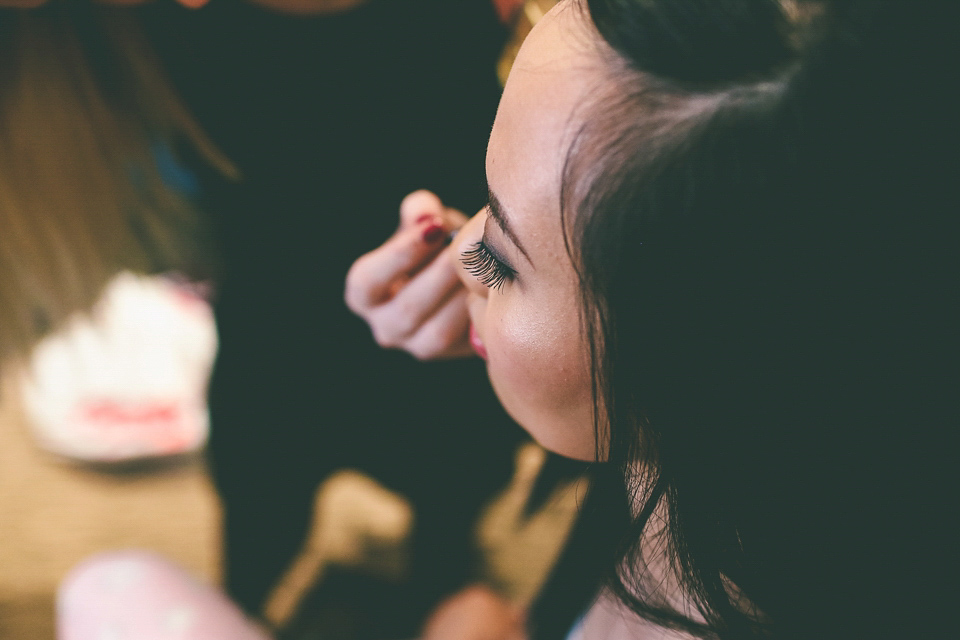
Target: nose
[[467, 238]]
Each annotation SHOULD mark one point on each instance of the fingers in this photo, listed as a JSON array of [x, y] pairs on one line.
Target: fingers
[[408, 289], [375, 277], [445, 334], [394, 322], [424, 294]]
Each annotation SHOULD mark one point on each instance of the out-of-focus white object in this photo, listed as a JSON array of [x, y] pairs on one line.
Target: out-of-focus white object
[[127, 381]]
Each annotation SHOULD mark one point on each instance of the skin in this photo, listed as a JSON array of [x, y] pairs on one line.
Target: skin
[[475, 613], [408, 290], [530, 326]]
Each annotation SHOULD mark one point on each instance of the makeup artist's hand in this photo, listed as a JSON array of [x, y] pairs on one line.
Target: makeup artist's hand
[[475, 613], [407, 289]]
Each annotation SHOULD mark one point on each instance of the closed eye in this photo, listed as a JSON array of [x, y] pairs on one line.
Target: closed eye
[[486, 267]]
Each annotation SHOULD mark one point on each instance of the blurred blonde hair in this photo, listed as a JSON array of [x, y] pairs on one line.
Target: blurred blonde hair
[[82, 105]]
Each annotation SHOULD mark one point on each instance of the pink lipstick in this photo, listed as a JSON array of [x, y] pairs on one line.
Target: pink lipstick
[[476, 343]]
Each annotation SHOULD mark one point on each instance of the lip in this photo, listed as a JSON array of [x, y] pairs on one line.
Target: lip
[[476, 343]]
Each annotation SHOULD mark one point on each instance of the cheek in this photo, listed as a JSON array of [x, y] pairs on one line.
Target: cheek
[[538, 367]]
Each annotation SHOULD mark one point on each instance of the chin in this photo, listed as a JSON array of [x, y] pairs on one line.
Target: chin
[[552, 432]]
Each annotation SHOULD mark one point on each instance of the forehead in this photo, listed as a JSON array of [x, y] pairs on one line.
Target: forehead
[[543, 105]]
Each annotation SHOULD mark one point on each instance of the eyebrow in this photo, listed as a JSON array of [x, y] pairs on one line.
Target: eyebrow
[[500, 217]]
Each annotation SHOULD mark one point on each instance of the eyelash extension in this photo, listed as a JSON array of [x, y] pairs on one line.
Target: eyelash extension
[[486, 267]]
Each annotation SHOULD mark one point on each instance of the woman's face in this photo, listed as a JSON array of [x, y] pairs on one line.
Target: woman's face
[[524, 297]]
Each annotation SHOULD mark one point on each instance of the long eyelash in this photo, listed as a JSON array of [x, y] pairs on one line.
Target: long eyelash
[[486, 267]]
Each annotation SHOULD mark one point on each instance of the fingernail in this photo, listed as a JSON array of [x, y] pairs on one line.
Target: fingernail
[[433, 233]]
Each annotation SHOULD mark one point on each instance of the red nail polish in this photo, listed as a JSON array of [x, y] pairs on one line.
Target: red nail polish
[[433, 233]]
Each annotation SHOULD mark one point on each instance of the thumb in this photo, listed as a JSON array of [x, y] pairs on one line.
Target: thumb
[[454, 219]]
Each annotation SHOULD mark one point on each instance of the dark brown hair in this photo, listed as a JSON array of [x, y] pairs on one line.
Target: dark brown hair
[[752, 209]]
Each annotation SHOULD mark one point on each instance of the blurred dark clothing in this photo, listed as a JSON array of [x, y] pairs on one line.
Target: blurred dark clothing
[[332, 120]]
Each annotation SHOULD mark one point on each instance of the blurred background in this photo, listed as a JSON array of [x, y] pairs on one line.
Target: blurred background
[[181, 193]]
